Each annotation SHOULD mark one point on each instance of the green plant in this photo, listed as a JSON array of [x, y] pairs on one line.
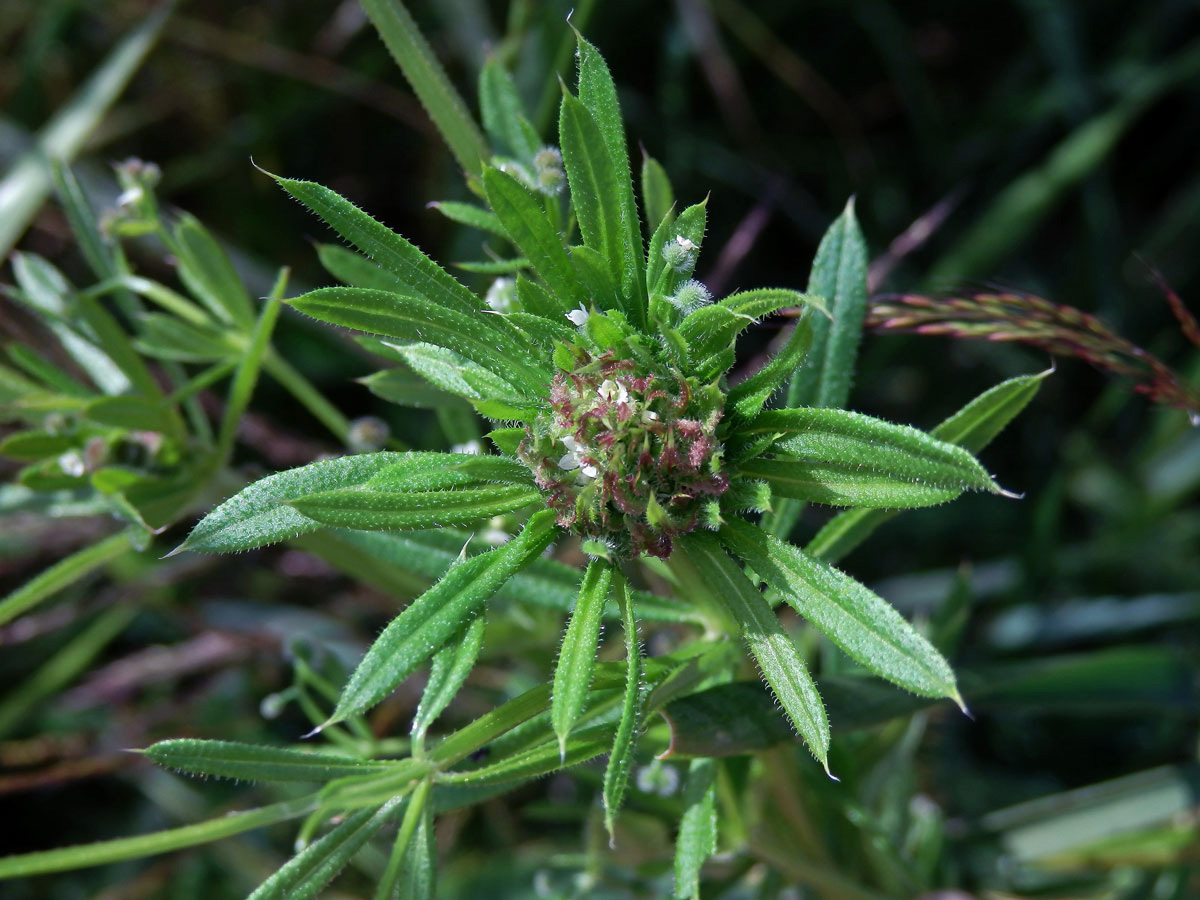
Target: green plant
[[604, 368]]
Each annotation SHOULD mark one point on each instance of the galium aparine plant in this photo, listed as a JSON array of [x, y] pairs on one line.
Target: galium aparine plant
[[603, 365]]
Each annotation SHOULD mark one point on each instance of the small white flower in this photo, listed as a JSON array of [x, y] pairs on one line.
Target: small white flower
[[685, 244], [648, 416], [72, 463], [501, 294], [578, 317], [612, 392], [131, 196], [589, 471]]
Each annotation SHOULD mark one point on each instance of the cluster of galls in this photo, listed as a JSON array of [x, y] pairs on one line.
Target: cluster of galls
[[626, 457]]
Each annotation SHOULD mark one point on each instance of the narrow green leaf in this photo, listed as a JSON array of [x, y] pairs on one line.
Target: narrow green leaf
[[449, 669], [417, 273], [412, 319], [28, 182], [714, 328], [102, 252], [434, 616], [839, 274], [746, 400], [368, 509], [537, 301], [697, 839], [577, 655], [354, 269], [33, 445], [503, 114], [524, 218], [37, 366], [620, 759], [62, 574], [657, 195], [973, 427], [207, 272], [598, 95], [425, 74], [130, 412], [470, 215], [494, 266], [844, 458], [254, 762], [166, 337], [540, 760], [859, 621], [597, 277], [259, 514], [405, 388], [306, 873], [101, 853], [459, 376], [597, 196], [772, 648]]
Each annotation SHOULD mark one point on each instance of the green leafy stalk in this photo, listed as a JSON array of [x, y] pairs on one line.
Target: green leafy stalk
[[253, 762]]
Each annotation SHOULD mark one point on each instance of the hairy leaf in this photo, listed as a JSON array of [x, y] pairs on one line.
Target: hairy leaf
[[434, 616], [254, 762], [503, 115], [859, 621], [368, 509], [470, 215], [481, 339], [306, 873], [577, 655], [847, 459], [620, 759], [259, 514], [457, 375], [839, 274], [711, 329], [746, 400], [207, 272], [973, 427], [697, 839], [525, 221], [657, 195], [772, 648], [416, 272], [449, 669]]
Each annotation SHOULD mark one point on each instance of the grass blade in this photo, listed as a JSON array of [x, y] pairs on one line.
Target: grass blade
[[425, 74], [64, 573], [27, 184]]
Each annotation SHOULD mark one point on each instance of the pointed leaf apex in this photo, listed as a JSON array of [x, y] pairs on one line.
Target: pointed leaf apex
[[562, 749], [319, 728]]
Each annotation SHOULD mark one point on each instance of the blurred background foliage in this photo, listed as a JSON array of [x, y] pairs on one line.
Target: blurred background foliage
[[1054, 143]]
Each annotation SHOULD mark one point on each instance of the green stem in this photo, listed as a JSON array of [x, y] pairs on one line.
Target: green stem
[[63, 574], [120, 849], [408, 826], [246, 376], [308, 396]]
